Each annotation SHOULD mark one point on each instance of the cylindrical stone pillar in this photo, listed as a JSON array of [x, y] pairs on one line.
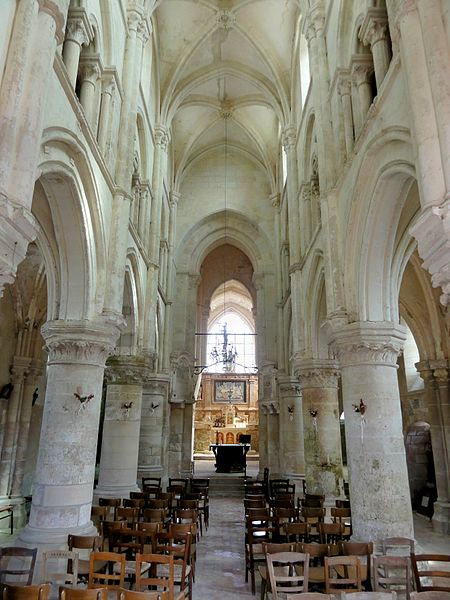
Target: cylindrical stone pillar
[[62, 493], [78, 33], [345, 91], [323, 453], [19, 373], [273, 439], [378, 476], [90, 74], [291, 429], [152, 442], [120, 442]]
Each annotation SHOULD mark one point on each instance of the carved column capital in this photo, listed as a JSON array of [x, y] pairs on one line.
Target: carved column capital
[[288, 387], [19, 369], [89, 71], [369, 343], [345, 85], [374, 27], [79, 342], [289, 138], [78, 28], [144, 30], [162, 137], [317, 374], [362, 68], [127, 370]]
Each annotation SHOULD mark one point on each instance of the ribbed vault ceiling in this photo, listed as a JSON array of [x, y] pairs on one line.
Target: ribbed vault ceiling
[[226, 58]]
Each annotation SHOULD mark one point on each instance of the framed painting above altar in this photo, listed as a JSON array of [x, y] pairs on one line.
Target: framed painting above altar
[[230, 391]]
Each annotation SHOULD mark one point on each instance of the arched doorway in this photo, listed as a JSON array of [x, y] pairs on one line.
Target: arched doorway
[[227, 402]]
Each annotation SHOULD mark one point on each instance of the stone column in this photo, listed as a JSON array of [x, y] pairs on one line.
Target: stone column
[[292, 448], [273, 438], [108, 87], [289, 141], [19, 372], [153, 442], [162, 138], [125, 376], [78, 33], [62, 494], [170, 276], [374, 32], [90, 74], [37, 30], [377, 470], [361, 70], [345, 91], [267, 394], [137, 36], [435, 374], [323, 453]]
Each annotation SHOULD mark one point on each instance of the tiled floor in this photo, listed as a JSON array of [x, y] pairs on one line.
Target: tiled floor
[[220, 571]]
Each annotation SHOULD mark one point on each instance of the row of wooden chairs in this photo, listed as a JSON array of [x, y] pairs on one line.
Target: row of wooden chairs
[[43, 590]]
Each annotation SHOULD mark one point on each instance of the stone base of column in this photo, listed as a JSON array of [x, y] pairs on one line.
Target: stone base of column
[[51, 539], [441, 517], [117, 491], [298, 479]]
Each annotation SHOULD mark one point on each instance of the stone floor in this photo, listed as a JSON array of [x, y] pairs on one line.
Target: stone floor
[[220, 552]]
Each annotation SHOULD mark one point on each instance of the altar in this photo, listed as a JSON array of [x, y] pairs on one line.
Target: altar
[[230, 457]]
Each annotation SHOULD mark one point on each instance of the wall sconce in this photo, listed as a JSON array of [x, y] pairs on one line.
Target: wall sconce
[[83, 400], [361, 409], [314, 412], [126, 406], [291, 412]]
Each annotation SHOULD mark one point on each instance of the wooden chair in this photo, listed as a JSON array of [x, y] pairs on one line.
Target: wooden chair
[[98, 515], [392, 573], [86, 544], [113, 565], [344, 516], [67, 593], [311, 596], [369, 596], [431, 572], [313, 516], [397, 546], [24, 574], [317, 554], [111, 503], [342, 574], [52, 574], [159, 576], [137, 496], [364, 551], [297, 531], [150, 481], [187, 504], [288, 573], [107, 528], [430, 595], [177, 528], [134, 503], [178, 546], [330, 533], [26, 592], [128, 514], [271, 549], [156, 515], [187, 515], [258, 530], [282, 517], [129, 595], [342, 503]]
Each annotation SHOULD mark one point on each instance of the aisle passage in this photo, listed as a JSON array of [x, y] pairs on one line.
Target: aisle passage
[[220, 573]]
